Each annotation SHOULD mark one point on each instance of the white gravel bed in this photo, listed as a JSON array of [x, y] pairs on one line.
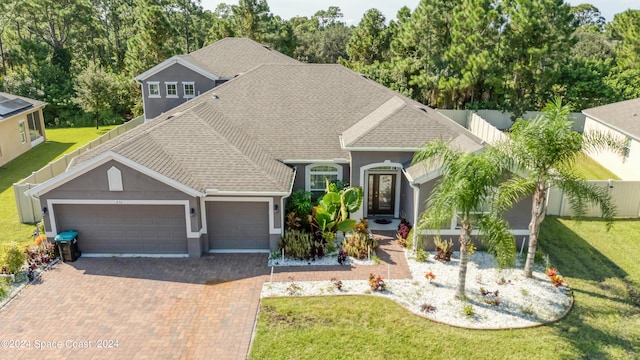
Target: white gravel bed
[[325, 261], [522, 302]]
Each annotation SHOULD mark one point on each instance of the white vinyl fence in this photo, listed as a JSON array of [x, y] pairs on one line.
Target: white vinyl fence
[[28, 208], [625, 194]]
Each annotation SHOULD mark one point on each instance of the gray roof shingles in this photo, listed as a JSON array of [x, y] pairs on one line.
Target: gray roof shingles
[[236, 140], [232, 56], [623, 115]]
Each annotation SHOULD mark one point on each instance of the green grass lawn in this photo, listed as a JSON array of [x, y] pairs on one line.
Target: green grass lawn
[[591, 170], [601, 267], [59, 142]]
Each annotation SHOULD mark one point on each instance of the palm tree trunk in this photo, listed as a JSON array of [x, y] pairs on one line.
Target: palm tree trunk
[[537, 215], [465, 240]]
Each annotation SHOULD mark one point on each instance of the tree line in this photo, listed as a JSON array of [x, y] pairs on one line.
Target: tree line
[[80, 56]]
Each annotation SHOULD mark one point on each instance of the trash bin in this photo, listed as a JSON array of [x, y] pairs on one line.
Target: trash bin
[[68, 245]]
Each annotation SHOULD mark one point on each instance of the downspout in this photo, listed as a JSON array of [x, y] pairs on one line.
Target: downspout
[[282, 199], [416, 207]]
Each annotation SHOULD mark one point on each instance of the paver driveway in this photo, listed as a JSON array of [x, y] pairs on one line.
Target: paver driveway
[[154, 308]]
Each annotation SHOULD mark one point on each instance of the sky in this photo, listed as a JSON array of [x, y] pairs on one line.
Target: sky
[[354, 9]]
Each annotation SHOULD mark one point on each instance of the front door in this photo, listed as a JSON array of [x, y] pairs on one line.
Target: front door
[[381, 195]]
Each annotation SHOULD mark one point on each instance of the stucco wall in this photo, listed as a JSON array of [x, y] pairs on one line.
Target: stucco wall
[[625, 168], [178, 73], [94, 185], [11, 145]]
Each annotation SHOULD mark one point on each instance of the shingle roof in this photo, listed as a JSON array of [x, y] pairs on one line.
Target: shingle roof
[[18, 104], [623, 115], [300, 112], [202, 150], [231, 56], [231, 137]]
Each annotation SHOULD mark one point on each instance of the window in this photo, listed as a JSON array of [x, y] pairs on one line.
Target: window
[[154, 89], [23, 134], [318, 173], [189, 89], [172, 89], [627, 148], [35, 130]]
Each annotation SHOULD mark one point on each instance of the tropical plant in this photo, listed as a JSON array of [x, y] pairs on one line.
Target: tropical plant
[[296, 244], [301, 205], [14, 258], [469, 184], [359, 245], [377, 283], [334, 207], [544, 151], [444, 249]]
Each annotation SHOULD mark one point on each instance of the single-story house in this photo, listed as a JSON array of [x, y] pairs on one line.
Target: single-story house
[[621, 119], [214, 173], [21, 125], [183, 77]]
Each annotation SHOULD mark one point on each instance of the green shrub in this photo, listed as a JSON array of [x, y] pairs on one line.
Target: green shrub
[[4, 287], [296, 244], [14, 258], [359, 244]]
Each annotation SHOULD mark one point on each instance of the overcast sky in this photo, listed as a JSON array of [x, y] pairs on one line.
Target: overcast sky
[[354, 9]]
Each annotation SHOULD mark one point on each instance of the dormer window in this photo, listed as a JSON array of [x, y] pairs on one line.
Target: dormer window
[[189, 89], [172, 89], [154, 89]]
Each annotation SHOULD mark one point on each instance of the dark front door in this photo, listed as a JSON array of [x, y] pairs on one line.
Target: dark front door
[[382, 194]]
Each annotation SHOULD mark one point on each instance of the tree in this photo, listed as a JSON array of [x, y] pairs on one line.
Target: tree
[[370, 40], [95, 88], [625, 28], [544, 151], [470, 183], [587, 15]]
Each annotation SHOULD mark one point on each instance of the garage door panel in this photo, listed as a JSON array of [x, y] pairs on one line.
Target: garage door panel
[[238, 225], [122, 229]]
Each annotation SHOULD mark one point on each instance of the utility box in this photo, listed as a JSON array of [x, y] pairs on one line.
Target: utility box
[[67, 242]]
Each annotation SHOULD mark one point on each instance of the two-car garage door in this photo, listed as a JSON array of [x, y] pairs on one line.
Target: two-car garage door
[[125, 229]]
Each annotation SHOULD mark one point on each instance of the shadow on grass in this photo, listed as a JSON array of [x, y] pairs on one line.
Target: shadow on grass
[[33, 160], [589, 272]]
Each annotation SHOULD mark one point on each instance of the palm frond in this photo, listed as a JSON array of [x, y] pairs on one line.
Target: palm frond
[[498, 239], [581, 194], [596, 141], [511, 191]]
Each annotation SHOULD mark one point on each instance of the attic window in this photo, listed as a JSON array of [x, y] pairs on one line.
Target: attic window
[[154, 89], [115, 179]]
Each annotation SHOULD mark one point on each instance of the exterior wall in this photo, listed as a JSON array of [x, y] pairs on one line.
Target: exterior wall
[[625, 168], [94, 185], [360, 159], [11, 145], [174, 73], [299, 182]]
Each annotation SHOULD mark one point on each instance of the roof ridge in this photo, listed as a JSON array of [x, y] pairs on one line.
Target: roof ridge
[[372, 120]]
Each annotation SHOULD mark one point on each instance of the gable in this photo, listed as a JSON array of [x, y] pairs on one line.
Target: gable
[[173, 61], [623, 116]]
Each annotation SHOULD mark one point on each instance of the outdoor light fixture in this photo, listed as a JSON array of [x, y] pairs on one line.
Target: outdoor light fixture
[[275, 207], [193, 212], [44, 210]]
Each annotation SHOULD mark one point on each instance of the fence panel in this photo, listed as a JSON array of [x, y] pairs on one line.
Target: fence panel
[[29, 209], [624, 194]]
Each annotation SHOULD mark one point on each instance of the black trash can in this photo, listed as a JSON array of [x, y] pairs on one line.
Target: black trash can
[[67, 242]]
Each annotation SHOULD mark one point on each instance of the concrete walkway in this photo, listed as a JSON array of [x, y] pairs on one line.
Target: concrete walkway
[[144, 308]]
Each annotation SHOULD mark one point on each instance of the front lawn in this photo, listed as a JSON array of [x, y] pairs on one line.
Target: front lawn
[[600, 266], [59, 142]]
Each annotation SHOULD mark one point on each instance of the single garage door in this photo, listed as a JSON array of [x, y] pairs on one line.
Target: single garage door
[[238, 225], [125, 229]]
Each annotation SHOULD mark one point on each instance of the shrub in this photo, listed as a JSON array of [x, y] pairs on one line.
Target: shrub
[[430, 275], [556, 279], [362, 227], [342, 256], [444, 249], [377, 283], [296, 244], [404, 229], [421, 255], [427, 308], [4, 288], [14, 258], [359, 244]]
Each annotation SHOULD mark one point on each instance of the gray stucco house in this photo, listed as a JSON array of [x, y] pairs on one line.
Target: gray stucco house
[[214, 173], [183, 77]]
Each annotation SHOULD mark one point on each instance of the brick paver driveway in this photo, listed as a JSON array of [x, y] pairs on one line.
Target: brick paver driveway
[[154, 309]]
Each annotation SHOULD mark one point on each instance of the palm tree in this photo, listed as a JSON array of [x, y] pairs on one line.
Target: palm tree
[[470, 184], [544, 151]]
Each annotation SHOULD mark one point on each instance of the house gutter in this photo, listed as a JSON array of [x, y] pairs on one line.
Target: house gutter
[[416, 207], [245, 193]]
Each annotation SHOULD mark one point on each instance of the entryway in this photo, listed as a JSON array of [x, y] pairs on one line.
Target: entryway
[[381, 197]]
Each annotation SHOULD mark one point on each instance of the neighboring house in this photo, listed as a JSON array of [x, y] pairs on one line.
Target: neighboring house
[[183, 77], [214, 174], [21, 126], [622, 119]]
